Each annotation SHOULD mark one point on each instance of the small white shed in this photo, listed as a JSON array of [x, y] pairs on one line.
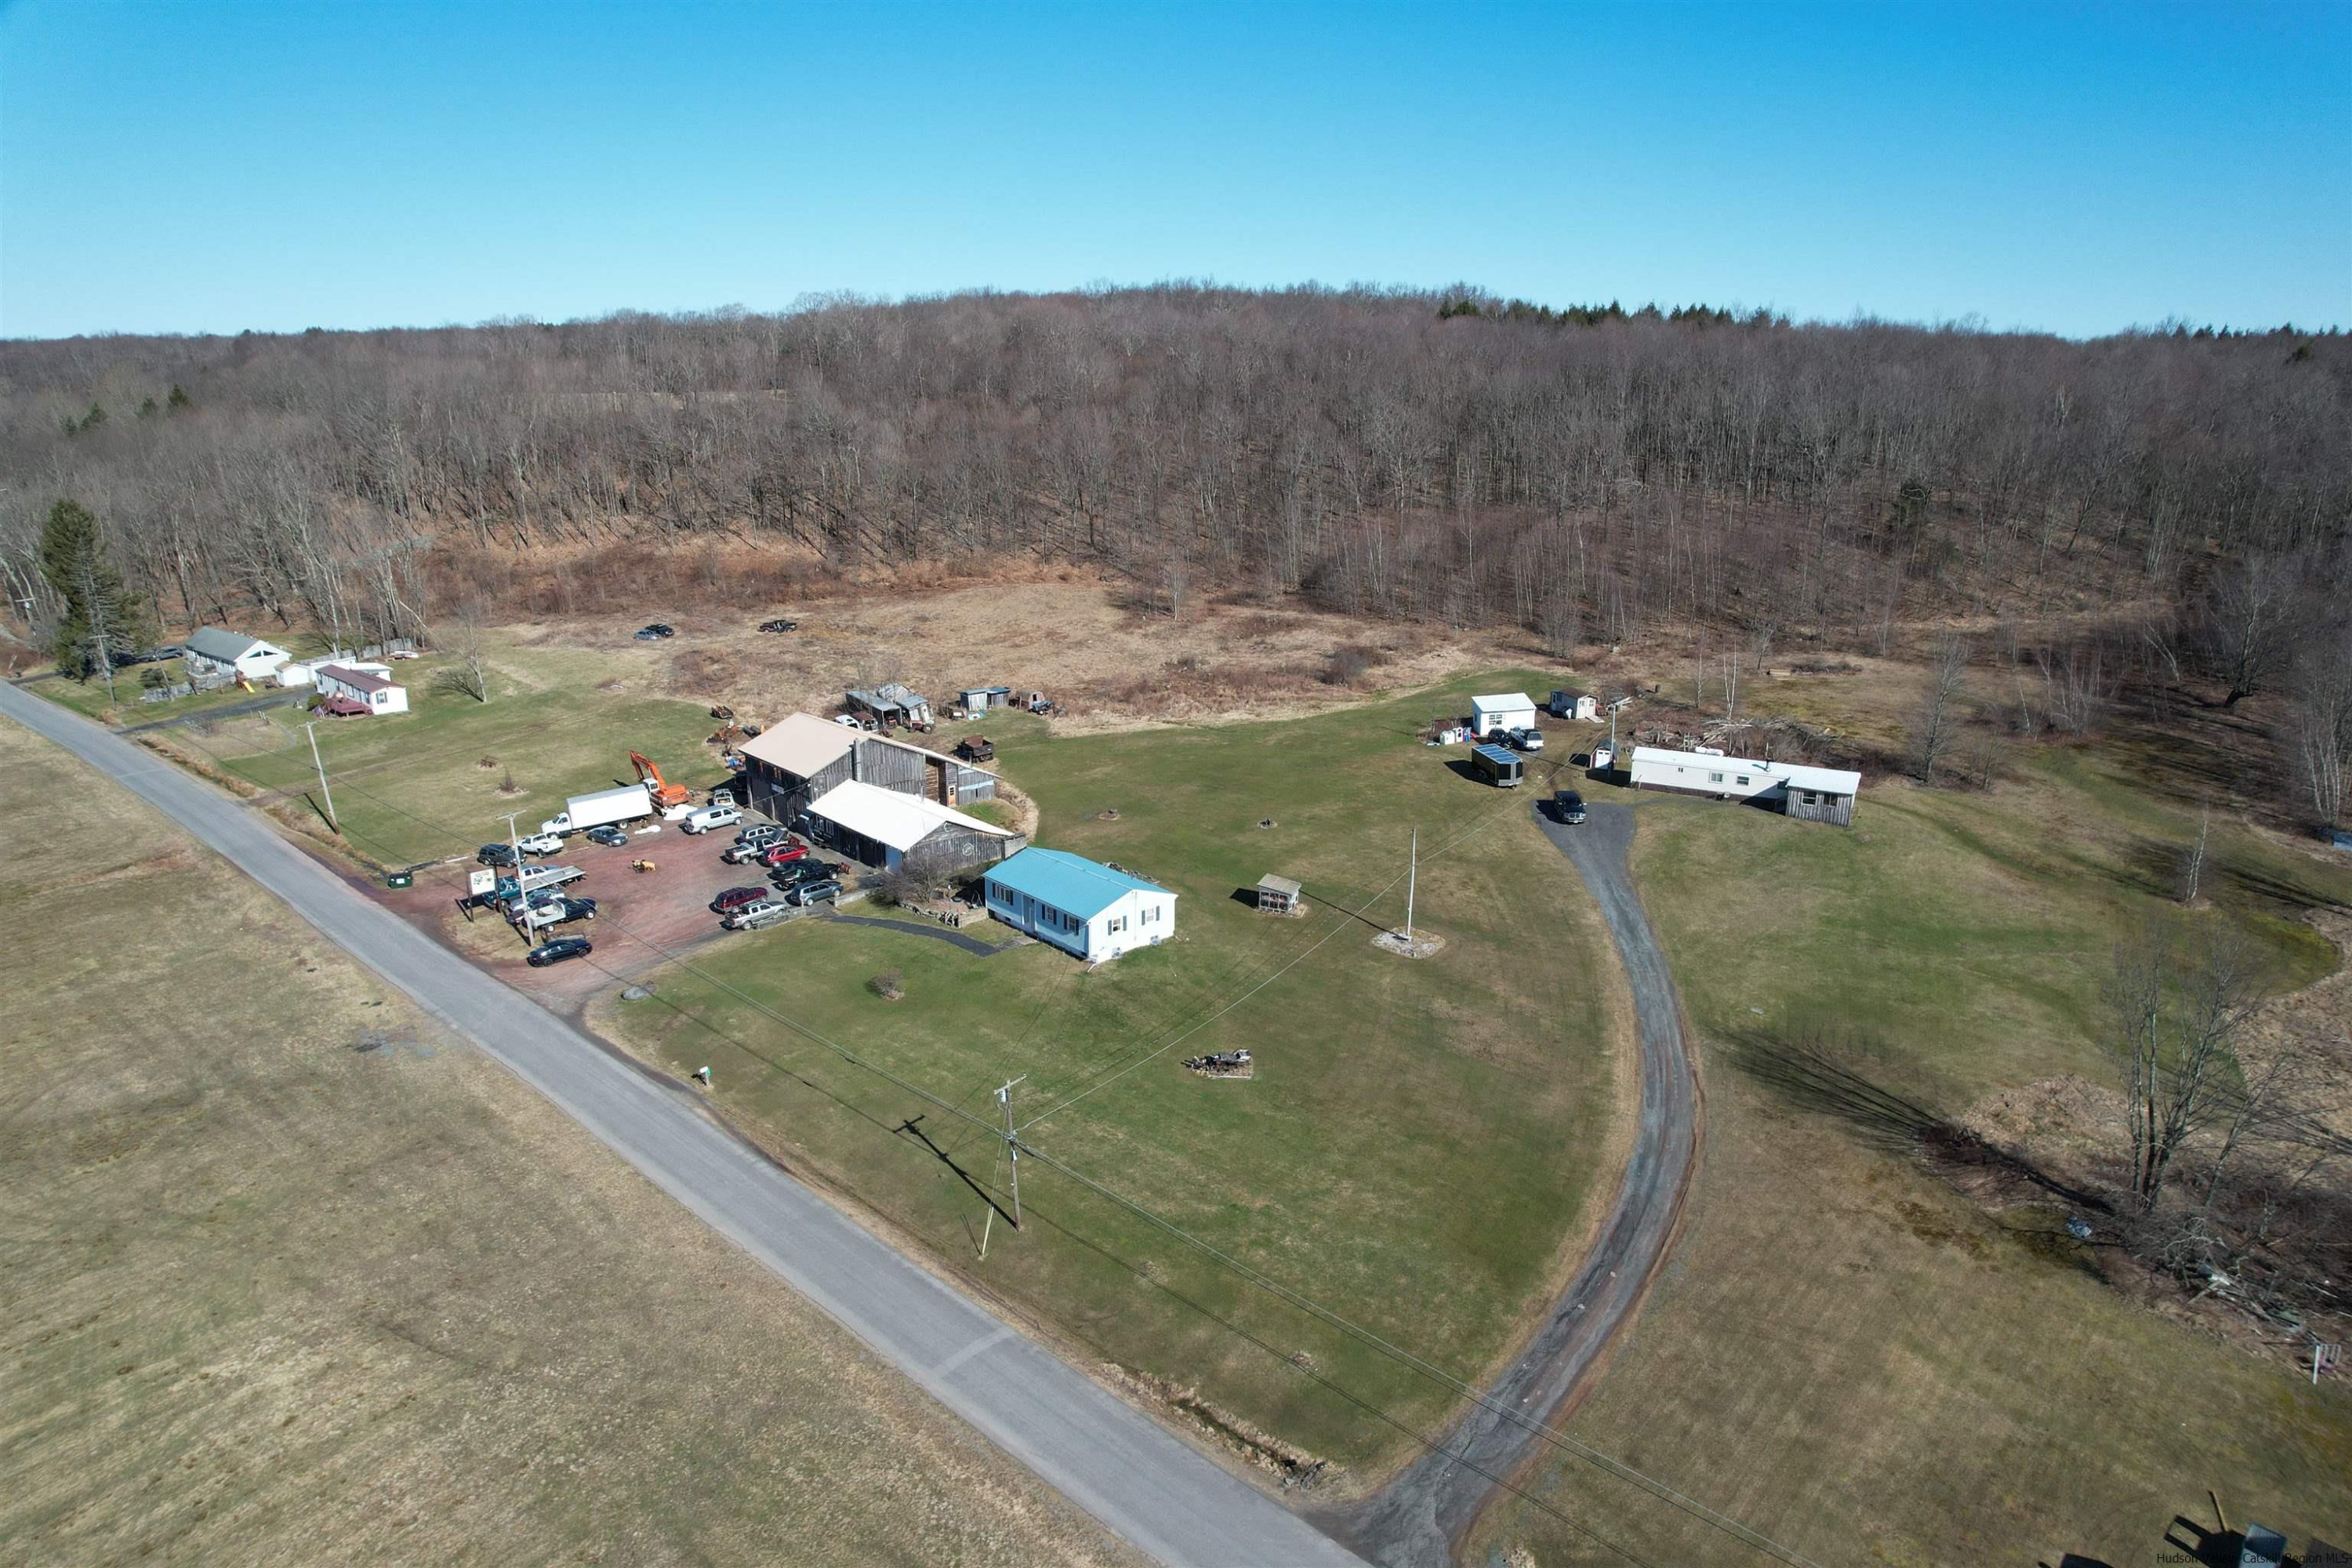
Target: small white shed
[[1509, 710], [1575, 705]]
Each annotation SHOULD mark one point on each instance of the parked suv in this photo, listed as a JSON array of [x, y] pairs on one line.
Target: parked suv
[[734, 898], [1529, 739], [495, 855], [1569, 806], [760, 833], [556, 951], [807, 893], [711, 819], [753, 916]]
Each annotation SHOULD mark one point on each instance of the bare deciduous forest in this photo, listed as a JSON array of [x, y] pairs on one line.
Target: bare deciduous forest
[[1445, 457]]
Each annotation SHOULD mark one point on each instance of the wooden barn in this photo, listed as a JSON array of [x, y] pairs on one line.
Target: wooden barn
[[792, 762]]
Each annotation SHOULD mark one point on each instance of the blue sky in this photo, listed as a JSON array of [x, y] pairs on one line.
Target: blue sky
[[195, 167]]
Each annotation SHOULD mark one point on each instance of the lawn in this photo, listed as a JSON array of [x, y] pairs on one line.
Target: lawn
[[429, 783], [1422, 1149], [288, 1275], [1846, 1354]]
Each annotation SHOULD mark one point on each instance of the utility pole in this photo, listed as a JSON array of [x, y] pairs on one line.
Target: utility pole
[[311, 730], [1412, 877], [1013, 1146], [515, 845]]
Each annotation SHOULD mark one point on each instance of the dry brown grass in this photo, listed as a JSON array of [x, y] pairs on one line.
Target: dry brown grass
[[1069, 634], [288, 1276]]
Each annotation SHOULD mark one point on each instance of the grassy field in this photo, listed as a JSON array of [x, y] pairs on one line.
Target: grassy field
[[286, 1276], [1845, 1354], [1419, 1149], [414, 786]]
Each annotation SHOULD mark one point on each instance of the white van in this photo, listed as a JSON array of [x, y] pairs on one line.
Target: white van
[[711, 817]]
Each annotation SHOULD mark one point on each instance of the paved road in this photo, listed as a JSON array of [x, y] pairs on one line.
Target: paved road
[[1116, 1463], [1415, 1520], [226, 711]]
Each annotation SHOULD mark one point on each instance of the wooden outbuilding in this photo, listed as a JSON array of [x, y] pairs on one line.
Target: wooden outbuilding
[[1277, 896]]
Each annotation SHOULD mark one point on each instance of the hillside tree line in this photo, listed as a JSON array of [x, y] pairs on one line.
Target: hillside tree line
[[1585, 472]]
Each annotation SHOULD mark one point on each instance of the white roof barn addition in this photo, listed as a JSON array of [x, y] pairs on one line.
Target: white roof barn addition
[[897, 821]]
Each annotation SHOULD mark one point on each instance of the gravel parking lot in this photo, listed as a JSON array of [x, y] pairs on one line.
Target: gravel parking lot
[[643, 917]]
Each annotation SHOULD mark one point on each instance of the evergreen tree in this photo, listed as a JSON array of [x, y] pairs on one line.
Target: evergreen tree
[[179, 400], [103, 619]]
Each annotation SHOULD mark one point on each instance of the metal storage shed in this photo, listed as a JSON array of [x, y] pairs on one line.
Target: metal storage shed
[[1500, 764]]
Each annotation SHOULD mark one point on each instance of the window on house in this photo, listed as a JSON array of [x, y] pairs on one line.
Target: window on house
[[1743, 778], [1811, 798], [1714, 778]]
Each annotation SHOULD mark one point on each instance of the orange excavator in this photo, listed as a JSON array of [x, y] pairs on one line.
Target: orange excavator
[[664, 793]]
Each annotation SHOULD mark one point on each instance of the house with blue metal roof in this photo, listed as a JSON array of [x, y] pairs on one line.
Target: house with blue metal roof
[[1081, 905]]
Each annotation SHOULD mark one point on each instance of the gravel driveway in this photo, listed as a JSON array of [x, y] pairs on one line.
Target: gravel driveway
[[1413, 1522]]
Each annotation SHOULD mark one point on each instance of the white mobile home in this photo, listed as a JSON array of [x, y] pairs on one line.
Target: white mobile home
[[1813, 795], [1506, 710], [1079, 905]]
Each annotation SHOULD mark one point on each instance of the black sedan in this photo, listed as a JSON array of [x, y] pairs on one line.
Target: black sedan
[[610, 836], [779, 625], [556, 951]]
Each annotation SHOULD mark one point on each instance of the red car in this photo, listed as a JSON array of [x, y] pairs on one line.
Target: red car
[[779, 854], [735, 899]]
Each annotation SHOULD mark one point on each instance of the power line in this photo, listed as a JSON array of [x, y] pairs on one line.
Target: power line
[[1485, 820], [1739, 1532], [1616, 1469]]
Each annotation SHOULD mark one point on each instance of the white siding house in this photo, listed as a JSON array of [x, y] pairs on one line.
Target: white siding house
[[1818, 794], [369, 684], [215, 651], [1079, 905], [1508, 711]]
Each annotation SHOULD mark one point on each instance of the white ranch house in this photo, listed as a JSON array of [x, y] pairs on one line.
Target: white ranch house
[[1079, 905], [214, 650]]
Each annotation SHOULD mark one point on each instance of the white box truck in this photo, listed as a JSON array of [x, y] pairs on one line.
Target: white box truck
[[604, 806]]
